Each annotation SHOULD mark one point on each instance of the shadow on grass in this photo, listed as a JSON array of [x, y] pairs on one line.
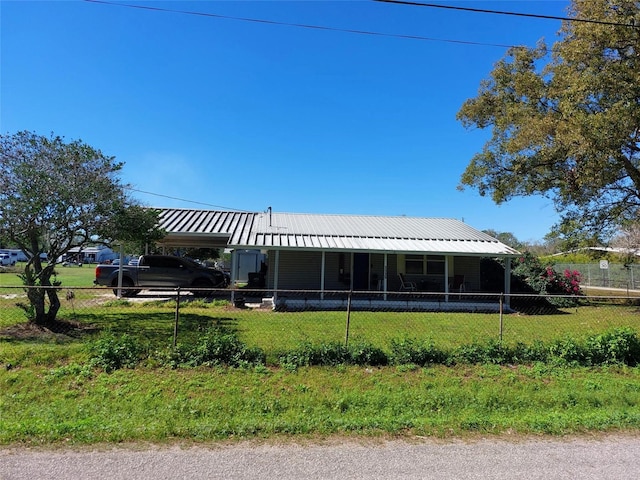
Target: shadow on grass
[[150, 327], [61, 331]]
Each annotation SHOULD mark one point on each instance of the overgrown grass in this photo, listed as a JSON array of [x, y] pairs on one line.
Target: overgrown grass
[[77, 405]]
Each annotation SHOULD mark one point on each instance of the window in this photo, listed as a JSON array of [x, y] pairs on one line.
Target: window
[[435, 264], [424, 264], [414, 264]]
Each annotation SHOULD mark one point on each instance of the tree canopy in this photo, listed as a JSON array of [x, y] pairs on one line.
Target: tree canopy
[[565, 120], [55, 196]]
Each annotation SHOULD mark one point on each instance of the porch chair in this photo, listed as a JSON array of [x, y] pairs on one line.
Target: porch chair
[[406, 286], [458, 285]]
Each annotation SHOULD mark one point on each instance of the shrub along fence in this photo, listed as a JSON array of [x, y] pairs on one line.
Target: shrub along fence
[[310, 327]]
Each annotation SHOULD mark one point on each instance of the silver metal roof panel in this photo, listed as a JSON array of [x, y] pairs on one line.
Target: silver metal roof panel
[[338, 232]]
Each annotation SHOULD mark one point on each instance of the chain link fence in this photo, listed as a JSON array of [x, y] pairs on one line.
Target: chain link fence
[[605, 274], [281, 320]]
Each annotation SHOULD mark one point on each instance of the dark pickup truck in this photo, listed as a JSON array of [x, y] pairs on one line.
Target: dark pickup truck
[[155, 272]]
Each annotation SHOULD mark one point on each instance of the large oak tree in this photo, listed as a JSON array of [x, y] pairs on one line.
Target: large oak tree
[[57, 195], [565, 120]]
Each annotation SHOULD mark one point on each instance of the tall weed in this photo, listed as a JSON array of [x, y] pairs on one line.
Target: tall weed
[[618, 346], [333, 354], [405, 351], [111, 352], [218, 346]]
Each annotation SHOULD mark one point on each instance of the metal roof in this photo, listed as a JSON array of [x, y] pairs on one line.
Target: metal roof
[[271, 230]]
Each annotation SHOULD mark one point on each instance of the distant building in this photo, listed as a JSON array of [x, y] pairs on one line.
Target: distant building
[[97, 254]]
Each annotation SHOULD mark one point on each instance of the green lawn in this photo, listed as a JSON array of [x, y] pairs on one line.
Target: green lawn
[[71, 276], [50, 395]]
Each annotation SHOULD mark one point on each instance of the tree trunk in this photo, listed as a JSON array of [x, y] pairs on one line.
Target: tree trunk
[[54, 305], [39, 288], [36, 299], [41, 315]]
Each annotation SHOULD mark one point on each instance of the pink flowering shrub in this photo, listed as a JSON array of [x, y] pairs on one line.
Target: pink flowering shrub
[[530, 274]]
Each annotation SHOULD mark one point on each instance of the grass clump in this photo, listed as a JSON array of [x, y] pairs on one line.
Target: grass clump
[[412, 351], [332, 354], [617, 346], [111, 352], [218, 346]]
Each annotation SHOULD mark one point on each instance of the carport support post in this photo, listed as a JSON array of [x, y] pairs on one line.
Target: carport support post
[[120, 267]]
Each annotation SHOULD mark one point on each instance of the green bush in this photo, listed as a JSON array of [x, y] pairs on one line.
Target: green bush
[[218, 346], [363, 353], [307, 354], [567, 350], [534, 353], [332, 354], [407, 351], [620, 345], [491, 351], [111, 352]]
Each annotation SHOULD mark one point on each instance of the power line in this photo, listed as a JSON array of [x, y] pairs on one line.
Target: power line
[[380, 34], [299, 25], [184, 200], [502, 12]]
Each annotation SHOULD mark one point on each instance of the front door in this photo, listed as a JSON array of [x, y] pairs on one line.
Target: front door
[[361, 271]]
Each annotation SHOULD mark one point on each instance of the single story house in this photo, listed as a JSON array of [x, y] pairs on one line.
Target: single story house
[[320, 253]]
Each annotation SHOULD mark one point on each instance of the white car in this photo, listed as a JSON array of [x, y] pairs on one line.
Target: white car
[[6, 260]]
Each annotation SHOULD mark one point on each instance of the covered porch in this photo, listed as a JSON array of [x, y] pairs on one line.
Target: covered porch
[[301, 280]]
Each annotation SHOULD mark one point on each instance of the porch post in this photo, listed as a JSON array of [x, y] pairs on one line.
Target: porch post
[[351, 272], [384, 276], [322, 274], [507, 282], [275, 277], [446, 278]]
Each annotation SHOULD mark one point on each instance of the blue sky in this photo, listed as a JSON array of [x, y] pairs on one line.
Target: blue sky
[[244, 115]]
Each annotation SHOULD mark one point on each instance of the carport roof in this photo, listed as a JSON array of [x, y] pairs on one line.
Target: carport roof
[[288, 231]]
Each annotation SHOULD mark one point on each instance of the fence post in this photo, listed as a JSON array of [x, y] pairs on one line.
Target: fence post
[[177, 317], [346, 336], [501, 314]]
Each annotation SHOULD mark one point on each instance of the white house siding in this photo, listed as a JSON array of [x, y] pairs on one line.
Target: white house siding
[[297, 270]]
